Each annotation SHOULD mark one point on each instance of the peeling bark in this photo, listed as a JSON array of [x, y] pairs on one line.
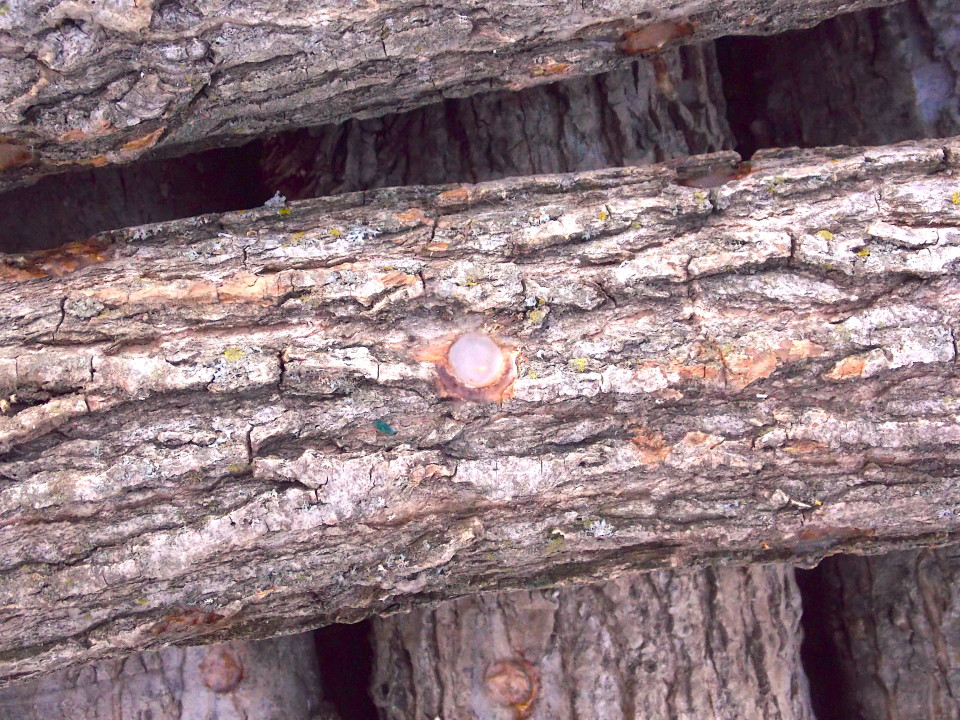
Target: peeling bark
[[266, 680], [228, 412], [85, 84], [718, 643]]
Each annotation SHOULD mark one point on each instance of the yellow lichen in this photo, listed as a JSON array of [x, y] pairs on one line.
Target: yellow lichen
[[232, 354], [863, 252], [825, 234], [537, 315], [578, 364]]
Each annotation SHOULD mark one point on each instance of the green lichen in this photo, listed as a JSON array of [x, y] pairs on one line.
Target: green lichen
[[555, 545]]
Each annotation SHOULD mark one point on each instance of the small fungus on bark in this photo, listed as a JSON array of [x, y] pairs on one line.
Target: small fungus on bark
[[473, 366], [220, 670]]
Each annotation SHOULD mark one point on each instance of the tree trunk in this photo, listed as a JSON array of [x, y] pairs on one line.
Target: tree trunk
[[655, 109], [887, 629], [83, 83], [878, 77], [266, 680], [254, 413], [716, 643]]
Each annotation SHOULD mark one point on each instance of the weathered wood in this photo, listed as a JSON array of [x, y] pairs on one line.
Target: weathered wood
[[236, 412], [267, 680], [886, 631], [86, 83], [717, 643]]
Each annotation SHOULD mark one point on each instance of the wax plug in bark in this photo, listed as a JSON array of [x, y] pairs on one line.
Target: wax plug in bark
[[473, 366]]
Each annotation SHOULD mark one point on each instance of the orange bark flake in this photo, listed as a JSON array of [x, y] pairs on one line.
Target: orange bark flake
[[397, 278], [247, 287], [14, 155], [549, 68], [56, 262], [651, 445], [653, 38], [452, 198], [849, 367], [97, 129], [413, 217], [807, 448], [794, 350], [144, 141], [749, 366]]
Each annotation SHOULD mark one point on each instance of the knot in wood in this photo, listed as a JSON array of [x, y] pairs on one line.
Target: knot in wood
[[220, 670], [513, 683]]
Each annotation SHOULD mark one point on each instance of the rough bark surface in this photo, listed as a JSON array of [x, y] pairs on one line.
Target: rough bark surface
[[653, 110], [719, 643], [265, 680], [869, 78], [890, 626], [226, 426], [84, 83]]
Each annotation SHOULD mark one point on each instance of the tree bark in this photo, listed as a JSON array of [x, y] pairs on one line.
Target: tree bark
[[246, 413], [716, 643], [889, 627], [655, 109], [267, 680], [85, 84], [881, 76]]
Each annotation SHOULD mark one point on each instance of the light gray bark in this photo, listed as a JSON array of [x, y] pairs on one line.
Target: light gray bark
[[83, 83], [266, 680], [718, 643], [239, 412]]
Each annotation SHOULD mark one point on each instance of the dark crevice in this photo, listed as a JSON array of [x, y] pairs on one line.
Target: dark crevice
[[346, 667], [59, 209], [869, 78], [818, 653]]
